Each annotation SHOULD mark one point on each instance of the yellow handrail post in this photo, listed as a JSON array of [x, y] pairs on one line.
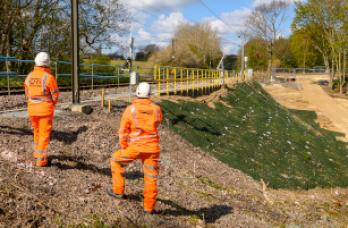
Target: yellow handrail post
[[215, 80], [198, 81], [174, 70], [167, 81], [154, 72], [193, 81], [187, 82], [181, 81], [205, 83], [159, 81], [209, 81], [202, 81]]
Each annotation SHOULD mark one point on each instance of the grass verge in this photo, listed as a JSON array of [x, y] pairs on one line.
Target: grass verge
[[285, 148]]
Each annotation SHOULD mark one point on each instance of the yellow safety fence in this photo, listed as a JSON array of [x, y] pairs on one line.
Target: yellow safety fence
[[185, 80]]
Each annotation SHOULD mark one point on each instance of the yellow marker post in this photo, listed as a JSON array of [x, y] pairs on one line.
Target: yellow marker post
[[167, 81], [102, 98], [159, 81], [109, 106]]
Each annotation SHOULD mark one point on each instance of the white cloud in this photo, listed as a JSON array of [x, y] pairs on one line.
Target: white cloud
[[143, 35], [231, 22], [259, 2], [165, 26], [157, 5], [227, 28]]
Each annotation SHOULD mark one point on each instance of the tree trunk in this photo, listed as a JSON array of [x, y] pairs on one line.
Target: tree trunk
[[327, 64], [332, 73], [344, 67], [340, 73]]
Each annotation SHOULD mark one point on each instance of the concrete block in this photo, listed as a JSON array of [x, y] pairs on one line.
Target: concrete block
[[82, 108]]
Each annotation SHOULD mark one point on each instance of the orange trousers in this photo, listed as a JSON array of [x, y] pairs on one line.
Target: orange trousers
[[42, 126], [120, 159]]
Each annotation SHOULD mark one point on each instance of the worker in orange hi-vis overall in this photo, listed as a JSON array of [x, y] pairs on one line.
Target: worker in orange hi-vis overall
[[42, 96], [139, 139]]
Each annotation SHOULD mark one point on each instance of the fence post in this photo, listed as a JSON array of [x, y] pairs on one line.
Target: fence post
[[92, 77], [193, 82], [154, 72], [167, 81], [56, 70], [118, 77], [187, 82], [174, 70], [202, 80], [205, 81], [159, 81], [8, 76], [181, 81]]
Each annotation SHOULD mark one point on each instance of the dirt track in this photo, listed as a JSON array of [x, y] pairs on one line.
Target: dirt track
[[308, 95]]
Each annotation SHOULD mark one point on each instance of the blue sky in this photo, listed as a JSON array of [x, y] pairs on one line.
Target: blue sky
[[155, 21]]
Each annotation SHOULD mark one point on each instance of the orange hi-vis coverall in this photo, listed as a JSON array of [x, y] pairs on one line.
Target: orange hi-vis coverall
[[139, 139], [42, 94]]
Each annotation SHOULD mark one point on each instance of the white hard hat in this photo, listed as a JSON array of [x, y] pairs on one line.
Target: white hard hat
[[143, 90], [42, 59]]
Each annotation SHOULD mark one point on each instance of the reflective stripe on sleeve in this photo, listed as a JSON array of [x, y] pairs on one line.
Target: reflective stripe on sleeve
[[151, 167], [154, 176], [40, 151], [40, 99], [134, 115], [55, 91], [123, 159], [44, 81]]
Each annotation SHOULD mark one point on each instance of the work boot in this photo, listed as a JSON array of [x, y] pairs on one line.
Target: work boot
[[114, 195], [42, 164], [153, 212]]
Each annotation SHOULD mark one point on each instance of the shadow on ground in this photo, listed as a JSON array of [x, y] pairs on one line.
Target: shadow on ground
[[64, 162], [208, 214], [67, 137]]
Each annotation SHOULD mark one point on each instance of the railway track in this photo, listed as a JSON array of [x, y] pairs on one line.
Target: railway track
[[20, 90]]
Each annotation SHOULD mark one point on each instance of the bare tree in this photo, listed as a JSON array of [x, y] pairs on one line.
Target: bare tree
[[28, 26], [194, 46], [265, 22]]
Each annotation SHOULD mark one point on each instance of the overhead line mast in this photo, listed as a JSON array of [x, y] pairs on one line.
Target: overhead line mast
[[75, 68]]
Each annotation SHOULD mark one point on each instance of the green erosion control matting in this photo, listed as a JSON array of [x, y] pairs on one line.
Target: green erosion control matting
[[253, 133]]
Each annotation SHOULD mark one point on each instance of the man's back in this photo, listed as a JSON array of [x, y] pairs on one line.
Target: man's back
[[42, 92], [139, 125]]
